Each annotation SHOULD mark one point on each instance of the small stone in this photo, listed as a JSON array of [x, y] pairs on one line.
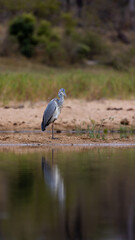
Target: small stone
[[130, 109], [115, 108], [6, 107], [124, 121], [58, 131], [19, 107]]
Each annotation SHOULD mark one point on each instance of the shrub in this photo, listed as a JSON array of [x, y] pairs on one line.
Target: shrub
[[71, 47], [48, 40], [82, 50], [80, 45], [44, 28], [23, 27], [123, 60], [47, 9], [95, 44], [69, 23], [27, 48]]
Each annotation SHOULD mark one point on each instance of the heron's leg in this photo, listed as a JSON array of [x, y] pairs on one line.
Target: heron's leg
[[52, 131]]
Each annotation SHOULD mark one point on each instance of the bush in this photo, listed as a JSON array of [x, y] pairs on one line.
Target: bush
[[47, 9], [27, 48], [81, 45], [23, 27], [69, 23], [44, 28], [70, 47], [82, 50], [123, 60], [95, 44], [48, 40]]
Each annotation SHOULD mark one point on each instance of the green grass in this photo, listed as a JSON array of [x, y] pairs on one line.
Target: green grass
[[43, 83], [95, 132]]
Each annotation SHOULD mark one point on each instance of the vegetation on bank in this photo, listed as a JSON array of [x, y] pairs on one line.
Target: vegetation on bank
[[65, 45], [98, 36], [62, 33], [90, 83], [69, 46]]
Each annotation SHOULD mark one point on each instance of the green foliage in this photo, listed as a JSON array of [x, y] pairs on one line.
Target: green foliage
[[47, 9], [39, 82], [23, 27], [73, 50], [95, 44], [79, 45], [64, 43], [48, 40], [83, 50], [27, 48], [13, 5], [124, 132], [123, 60], [69, 23], [44, 28], [43, 9]]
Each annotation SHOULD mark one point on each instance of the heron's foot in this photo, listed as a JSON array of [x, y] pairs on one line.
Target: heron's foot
[[54, 138]]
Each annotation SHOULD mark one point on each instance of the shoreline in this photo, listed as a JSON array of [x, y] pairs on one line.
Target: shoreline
[[101, 115]]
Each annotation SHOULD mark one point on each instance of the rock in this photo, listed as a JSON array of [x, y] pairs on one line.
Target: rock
[[58, 131], [19, 107], [6, 107], [124, 121], [114, 108]]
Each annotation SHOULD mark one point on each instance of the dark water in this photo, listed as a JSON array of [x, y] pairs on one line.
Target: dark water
[[85, 194]]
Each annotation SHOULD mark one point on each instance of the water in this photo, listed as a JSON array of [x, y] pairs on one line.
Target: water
[[85, 194]]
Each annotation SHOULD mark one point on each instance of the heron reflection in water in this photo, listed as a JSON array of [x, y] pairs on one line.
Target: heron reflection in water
[[55, 184], [53, 179]]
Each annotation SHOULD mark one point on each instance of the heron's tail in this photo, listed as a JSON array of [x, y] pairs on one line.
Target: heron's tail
[[43, 126]]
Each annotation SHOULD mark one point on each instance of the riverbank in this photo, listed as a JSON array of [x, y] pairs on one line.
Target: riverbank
[[102, 115]]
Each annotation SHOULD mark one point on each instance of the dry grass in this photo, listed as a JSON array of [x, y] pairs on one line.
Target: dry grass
[[21, 80]]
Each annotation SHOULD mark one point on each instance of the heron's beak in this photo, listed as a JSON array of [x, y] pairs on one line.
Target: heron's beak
[[64, 94]]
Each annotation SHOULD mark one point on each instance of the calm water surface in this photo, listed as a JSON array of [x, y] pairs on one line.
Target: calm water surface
[[78, 195]]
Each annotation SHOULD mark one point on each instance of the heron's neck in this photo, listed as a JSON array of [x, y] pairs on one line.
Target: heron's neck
[[61, 100]]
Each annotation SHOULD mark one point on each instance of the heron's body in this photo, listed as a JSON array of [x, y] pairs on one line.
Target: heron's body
[[53, 179], [56, 112], [53, 110]]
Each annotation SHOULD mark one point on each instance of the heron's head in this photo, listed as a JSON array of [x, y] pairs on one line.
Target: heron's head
[[62, 91]]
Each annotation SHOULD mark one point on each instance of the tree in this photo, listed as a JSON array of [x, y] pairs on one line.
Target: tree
[[23, 27], [132, 13], [68, 5], [80, 6], [132, 6]]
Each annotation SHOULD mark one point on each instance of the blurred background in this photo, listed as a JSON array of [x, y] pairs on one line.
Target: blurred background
[[94, 39]]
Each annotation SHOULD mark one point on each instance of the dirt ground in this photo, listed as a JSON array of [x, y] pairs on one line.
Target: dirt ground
[[76, 114]]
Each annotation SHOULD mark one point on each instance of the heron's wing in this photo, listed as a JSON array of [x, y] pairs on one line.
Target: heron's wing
[[49, 111]]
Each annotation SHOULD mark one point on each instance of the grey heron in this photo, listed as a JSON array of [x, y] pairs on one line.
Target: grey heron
[[53, 179], [53, 110]]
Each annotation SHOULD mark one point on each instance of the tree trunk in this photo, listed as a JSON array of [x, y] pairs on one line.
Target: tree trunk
[[80, 6], [132, 5], [132, 13], [68, 5]]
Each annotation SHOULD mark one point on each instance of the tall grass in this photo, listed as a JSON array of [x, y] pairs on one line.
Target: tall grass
[[87, 83]]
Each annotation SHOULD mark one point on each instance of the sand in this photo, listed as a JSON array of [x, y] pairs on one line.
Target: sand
[[75, 114]]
